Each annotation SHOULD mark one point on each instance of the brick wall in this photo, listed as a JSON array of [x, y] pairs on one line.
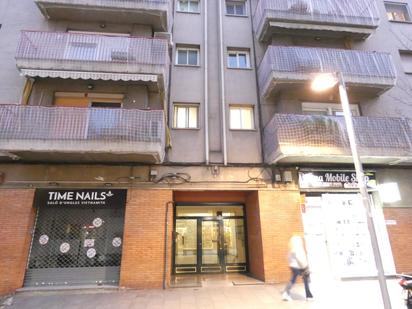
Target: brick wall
[[144, 239], [279, 218], [16, 222], [400, 237]]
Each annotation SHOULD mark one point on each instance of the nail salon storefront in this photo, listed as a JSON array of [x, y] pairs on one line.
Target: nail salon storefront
[[77, 237]]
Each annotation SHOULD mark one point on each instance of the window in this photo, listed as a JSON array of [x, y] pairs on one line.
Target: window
[[187, 56], [406, 59], [327, 109], [397, 11], [238, 59], [188, 6], [185, 116], [241, 118], [236, 8]]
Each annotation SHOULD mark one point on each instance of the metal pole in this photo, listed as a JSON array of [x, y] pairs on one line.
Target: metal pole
[[363, 190]]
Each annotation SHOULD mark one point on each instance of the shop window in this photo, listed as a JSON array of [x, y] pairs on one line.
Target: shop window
[[236, 8], [327, 109], [187, 56], [238, 59], [241, 117], [397, 11], [188, 6], [185, 116]]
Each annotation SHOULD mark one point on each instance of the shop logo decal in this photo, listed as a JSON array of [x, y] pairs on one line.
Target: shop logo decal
[[64, 247], [84, 198], [116, 242], [44, 239], [91, 253]]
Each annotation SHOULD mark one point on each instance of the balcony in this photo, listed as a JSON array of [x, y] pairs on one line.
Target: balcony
[[66, 134], [91, 56], [334, 18], [290, 138], [156, 13], [283, 67]]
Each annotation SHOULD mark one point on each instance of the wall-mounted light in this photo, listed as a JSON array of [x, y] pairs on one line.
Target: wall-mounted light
[[90, 86], [389, 192]]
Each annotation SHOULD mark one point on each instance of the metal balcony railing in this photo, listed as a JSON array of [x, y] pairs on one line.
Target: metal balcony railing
[[325, 136], [360, 13], [92, 53], [148, 7], [81, 125], [297, 64]]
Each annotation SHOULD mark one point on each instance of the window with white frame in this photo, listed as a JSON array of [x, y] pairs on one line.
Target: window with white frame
[[188, 6], [327, 109], [238, 59], [397, 11], [187, 56], [241, 117], [236, 8], [185, 116]]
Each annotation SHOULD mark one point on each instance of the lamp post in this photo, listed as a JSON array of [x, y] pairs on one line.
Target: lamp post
[[327, 81]]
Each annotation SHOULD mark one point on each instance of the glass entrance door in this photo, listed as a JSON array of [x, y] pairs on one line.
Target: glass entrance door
[[209, 239], [211, 246]]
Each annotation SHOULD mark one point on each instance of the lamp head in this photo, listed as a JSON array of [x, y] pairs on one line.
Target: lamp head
[[323, 81]]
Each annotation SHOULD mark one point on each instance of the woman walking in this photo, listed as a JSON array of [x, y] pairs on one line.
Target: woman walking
[[298, 264]]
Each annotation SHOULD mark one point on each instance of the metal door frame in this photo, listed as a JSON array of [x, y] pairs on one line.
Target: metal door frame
[[198, 229]]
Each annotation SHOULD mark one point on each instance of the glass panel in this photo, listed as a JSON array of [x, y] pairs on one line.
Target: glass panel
[[183, 6], [182, 57], [181, 117], [235, 118], [210, 242], [194, 6], [240, 9], [193, 117], [209, 211], [398, 12], [247, 118], [230, 9], [234, 235], [193, 57], [186, 242], [242, 61], [232, 59]]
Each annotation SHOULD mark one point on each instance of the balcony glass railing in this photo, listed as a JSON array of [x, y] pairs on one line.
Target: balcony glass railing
[[361, 13], [91, 52], [300, 63], [107, 125], [325, 136]]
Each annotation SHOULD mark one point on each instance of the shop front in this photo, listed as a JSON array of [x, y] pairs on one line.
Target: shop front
[[335, 225], [77, 238], [209, 238]]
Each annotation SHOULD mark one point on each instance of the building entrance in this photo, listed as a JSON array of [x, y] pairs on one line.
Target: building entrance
[[209, 239]]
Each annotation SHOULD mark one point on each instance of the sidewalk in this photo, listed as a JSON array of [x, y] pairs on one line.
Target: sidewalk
[[363, 294]]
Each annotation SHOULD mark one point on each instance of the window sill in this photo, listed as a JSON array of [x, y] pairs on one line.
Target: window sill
[[187, 65], [186, 129], [234, 15], [243, 130], [245, 69], [184, 12], [400, 22]]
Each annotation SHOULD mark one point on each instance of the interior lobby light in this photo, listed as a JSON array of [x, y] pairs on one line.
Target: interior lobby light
[[323, 81]]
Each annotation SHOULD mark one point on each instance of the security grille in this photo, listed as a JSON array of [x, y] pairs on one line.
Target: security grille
[[76, 245]]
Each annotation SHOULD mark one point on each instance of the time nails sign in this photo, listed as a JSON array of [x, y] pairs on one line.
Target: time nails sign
[[82, 198], [333, 179]]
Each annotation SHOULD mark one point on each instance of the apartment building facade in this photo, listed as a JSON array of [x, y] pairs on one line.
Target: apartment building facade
[[145, 139]]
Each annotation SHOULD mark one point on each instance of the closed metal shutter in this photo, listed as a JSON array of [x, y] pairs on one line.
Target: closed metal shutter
[[77, 238]]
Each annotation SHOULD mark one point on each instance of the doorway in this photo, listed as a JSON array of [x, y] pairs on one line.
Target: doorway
[[209, 238]]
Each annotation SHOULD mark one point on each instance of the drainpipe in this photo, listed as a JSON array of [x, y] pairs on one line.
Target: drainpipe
[[259, 101], [222, 82], [166, 268], [206, 83]]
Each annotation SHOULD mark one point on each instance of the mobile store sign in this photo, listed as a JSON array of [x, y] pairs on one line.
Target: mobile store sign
[[333, 180], [85, 198]]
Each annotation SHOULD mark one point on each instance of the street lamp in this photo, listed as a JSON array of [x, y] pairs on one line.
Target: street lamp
[[326, 81]]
